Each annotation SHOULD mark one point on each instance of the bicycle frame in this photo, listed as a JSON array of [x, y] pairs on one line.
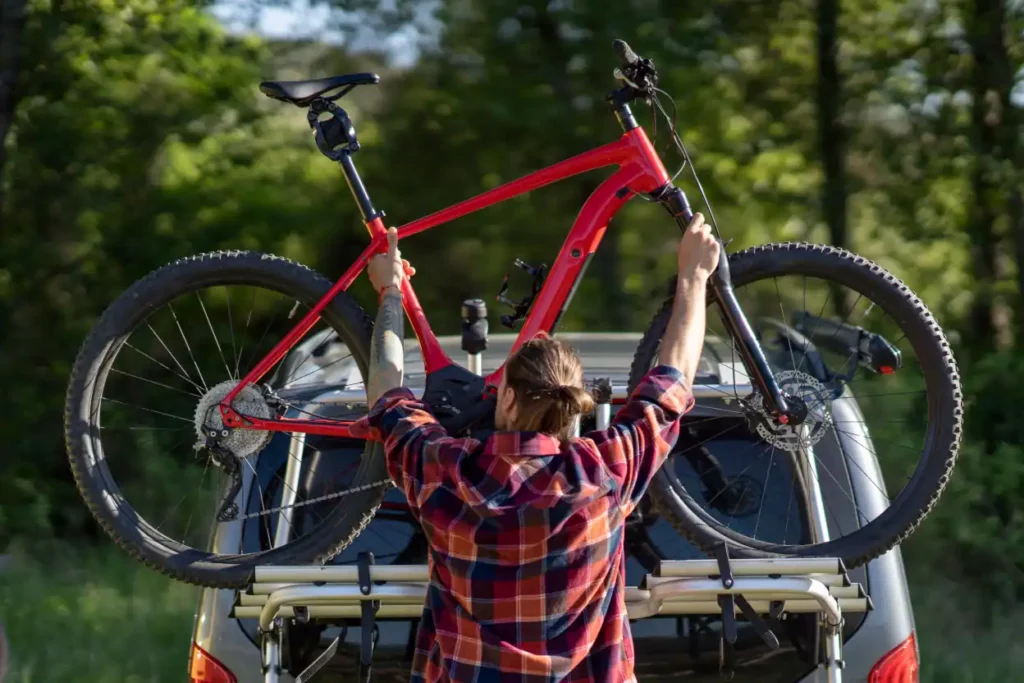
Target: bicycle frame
[[640, 170]]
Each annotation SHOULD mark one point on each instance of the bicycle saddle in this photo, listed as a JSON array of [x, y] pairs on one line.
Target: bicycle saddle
[[301, 93]]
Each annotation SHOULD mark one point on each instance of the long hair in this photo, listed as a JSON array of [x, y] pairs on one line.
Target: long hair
[[547, 378]]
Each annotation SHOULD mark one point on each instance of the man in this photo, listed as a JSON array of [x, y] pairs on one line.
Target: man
[[525, 528]]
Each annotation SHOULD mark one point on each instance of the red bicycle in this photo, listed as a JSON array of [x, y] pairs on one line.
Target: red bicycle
[[212, 388]]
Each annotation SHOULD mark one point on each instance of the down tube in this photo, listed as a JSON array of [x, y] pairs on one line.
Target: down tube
[[579, 247]]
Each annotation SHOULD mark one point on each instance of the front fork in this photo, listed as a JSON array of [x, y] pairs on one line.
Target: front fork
[[762, 377]]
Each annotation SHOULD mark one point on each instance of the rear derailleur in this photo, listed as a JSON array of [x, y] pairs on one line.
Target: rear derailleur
[[223, 458]]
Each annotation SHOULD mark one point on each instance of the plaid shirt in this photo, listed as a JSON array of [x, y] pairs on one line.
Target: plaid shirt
[[526, 534]]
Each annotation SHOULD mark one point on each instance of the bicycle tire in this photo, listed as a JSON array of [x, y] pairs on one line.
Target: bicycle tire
[[945, 408], [88, 376]]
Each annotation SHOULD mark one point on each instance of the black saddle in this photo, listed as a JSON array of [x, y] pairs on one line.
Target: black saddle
[[301, 93]]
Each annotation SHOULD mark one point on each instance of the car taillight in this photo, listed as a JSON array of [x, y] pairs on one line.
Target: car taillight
[[898, 666], [203, 668]]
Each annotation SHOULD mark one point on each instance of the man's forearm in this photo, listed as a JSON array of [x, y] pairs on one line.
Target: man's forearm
[[684, 337], [387, 352]]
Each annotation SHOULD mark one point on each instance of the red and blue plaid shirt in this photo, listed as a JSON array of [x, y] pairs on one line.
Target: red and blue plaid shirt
[[527, 567]]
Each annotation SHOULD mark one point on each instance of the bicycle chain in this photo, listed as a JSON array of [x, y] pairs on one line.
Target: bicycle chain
[[319, 499]]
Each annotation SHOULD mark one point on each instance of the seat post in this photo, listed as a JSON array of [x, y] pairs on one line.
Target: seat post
[[336, 140], [355, 184]]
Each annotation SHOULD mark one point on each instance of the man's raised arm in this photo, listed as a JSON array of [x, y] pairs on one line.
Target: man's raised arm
[[387, 352]]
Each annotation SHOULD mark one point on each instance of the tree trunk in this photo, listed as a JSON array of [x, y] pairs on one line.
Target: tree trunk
[[994, 145], [12, 17], [832, 137], [1017, 230]]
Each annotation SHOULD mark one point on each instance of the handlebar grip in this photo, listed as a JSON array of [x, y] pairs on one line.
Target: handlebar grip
[[625, 52]]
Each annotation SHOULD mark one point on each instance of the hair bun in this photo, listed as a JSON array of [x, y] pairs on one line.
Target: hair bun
[[576, 398]]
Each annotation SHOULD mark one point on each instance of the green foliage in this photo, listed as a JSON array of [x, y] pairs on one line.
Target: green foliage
[[139, 138], [82, 615], [977, 531]]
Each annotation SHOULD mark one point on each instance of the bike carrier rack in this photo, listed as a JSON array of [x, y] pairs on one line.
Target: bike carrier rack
[[758, 591]]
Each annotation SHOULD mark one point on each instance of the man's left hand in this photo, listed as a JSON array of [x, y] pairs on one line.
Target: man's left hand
[[389, 269]]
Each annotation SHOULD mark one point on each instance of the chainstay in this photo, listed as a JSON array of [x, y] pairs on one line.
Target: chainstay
[[319, 499]]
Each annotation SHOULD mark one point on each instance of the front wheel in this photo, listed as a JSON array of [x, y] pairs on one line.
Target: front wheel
[[848, 342]]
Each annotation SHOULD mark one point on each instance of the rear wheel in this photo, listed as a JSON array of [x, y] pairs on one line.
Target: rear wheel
[[839, 349], [147, 447]]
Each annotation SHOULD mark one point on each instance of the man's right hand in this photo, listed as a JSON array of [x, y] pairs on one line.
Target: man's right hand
[[698, 251]]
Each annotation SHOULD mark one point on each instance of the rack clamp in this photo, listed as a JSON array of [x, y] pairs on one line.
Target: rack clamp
[[728, 602], [368, 631]]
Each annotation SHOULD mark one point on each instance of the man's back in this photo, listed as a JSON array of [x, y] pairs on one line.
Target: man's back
[[526, 538]]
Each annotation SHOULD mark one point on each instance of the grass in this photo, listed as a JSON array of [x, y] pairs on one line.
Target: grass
[[964, 636], [77, 615], [94, 615]]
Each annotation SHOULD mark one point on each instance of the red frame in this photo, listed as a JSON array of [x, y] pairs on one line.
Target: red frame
[[640, 170]]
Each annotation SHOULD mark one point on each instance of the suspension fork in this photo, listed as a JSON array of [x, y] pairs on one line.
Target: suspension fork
[[735, 321]]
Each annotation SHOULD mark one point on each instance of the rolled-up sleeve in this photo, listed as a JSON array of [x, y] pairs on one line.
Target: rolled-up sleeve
[[411, 435], [644, 431]]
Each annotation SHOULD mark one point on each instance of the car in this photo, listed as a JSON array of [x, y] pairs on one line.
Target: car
[[878, 645]]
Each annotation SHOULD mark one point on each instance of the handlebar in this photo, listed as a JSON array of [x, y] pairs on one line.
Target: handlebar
[[629, 58], [638, 72]]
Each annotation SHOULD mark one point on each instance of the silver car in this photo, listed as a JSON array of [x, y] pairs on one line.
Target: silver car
[[878, 645]]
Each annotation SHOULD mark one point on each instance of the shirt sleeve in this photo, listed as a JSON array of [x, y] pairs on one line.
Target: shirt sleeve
[[644, 431], [413, 441]]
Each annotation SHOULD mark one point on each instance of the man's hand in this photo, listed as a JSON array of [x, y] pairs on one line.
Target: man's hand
[[698, 251], [388, 269], [684, 337]]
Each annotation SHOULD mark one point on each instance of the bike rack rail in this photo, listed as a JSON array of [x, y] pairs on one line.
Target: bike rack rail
[[758, 590]]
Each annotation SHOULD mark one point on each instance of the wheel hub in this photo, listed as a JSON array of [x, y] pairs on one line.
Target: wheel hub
[[209, 423], [811, 412]]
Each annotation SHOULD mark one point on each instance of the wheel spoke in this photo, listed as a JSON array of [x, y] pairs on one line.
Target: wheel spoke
[[821, 314], [782, 314], [216, 341], [187, 346], [148, 410], [231, 329], [160, 340], [154, 382], [764, 489], [245, 332]]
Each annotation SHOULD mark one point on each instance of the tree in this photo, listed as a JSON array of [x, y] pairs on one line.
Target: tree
[[11, 21], [139, 137], [995, 140]]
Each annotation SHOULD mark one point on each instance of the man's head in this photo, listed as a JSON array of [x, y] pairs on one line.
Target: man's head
[[542, 389]]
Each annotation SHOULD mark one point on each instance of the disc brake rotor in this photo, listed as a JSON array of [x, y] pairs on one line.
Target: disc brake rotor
[[818, 402], [240, 442]]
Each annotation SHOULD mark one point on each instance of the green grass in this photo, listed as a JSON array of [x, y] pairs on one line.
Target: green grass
[[963, 635], [96, 615], [77, 615]]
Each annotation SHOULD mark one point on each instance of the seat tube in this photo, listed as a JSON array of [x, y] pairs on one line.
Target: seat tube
[[355, 184]]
